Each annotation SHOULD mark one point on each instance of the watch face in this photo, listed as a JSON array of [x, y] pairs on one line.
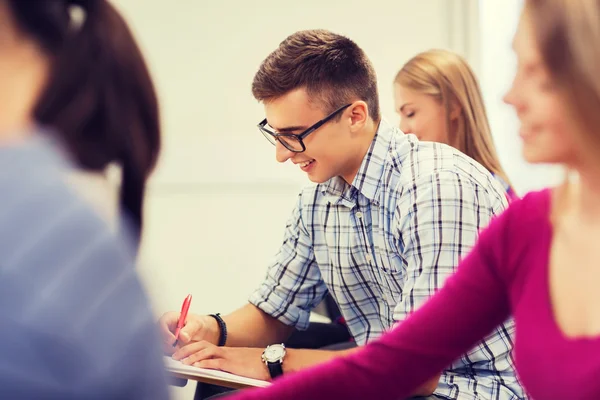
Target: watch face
[[274, 353]]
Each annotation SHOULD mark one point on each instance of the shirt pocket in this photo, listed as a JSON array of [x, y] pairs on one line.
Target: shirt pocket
[[389, 274]]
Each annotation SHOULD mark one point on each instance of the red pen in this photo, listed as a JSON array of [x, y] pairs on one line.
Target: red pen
[[182, 317]]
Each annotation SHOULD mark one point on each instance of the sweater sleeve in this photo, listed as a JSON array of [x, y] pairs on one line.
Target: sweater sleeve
[[471, 303]]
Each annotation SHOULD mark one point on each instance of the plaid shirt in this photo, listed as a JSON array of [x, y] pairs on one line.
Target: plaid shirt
[[511, 195], [385, 244]]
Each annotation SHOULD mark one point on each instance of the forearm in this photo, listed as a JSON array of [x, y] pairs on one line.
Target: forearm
[[298, 359], [251, 327], [427, 388]]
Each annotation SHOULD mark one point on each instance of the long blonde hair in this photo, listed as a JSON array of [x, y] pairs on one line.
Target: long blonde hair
[[447, 76]]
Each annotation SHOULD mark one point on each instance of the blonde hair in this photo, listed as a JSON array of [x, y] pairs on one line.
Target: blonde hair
[[447, 76]]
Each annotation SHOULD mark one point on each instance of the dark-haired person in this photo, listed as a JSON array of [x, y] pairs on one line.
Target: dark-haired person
[[74, 93], [99, 97], [384, 226]]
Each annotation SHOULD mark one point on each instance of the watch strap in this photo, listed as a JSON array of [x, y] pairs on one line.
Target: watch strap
[[275, 369]]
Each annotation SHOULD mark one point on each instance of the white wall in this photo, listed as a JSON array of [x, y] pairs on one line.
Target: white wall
[[498, 22], [218, 202]]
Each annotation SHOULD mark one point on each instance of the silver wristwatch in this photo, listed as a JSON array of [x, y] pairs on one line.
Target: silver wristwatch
[[273, 358]]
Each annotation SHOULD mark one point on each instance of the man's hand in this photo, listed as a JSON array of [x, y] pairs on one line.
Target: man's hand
[[428, 387], [243, 361], [196, 328]]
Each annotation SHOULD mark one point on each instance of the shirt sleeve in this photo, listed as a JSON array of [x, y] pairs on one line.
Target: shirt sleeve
[[470, 305], [437, 223], [293, 285]]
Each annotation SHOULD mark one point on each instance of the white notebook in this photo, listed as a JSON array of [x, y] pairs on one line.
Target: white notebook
[[177, 367]]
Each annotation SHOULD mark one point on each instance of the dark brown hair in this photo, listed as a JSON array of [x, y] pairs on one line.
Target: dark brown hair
[[99, 97], [331, 67]]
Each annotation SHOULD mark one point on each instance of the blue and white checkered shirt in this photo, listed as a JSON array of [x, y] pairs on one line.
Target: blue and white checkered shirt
[[385, 244]]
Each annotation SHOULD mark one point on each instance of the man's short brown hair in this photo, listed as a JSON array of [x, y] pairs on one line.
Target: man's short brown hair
[[331, 67]]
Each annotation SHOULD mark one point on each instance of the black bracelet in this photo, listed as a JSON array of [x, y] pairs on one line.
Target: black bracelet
[[222, 329]]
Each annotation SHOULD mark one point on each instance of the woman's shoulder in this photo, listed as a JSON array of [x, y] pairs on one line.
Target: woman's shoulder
[[512, 237], [531, 209], [511, 194]]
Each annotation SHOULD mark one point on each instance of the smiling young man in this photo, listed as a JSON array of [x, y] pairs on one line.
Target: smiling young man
[[384, 225]]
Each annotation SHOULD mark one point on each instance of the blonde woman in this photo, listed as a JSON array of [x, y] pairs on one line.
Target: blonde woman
[[538, 261], [438, 99]]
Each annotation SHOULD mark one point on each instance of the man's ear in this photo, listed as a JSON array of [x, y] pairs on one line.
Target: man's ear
[[358, 114]]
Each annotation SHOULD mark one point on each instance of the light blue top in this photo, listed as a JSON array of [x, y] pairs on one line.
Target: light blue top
[[75, 321]]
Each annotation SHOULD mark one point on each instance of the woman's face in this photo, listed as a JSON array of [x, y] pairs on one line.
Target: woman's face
[[23, 74], [546, 129], [420, 114]]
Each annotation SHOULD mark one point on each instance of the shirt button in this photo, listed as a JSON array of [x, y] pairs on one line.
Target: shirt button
[[369, 258], [359, 215]]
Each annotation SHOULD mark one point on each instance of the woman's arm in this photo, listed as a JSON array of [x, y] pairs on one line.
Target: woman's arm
[[466, 309]]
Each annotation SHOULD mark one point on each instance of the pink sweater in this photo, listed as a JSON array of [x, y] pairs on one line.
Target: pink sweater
[[506, 273]]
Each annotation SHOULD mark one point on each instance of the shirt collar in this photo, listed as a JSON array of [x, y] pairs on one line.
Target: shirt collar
[[368, 179]]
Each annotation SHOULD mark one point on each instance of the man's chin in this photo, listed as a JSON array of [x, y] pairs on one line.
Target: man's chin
[[318, 178]]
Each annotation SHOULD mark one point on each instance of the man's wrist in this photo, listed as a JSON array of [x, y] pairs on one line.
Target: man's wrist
[[222, 340], [213, 330], [273, 357]]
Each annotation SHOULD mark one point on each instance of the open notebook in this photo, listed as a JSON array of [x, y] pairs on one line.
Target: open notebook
[[225, 377]]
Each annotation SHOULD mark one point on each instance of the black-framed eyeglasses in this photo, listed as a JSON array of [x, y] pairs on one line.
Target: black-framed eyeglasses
[[291, 141]]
